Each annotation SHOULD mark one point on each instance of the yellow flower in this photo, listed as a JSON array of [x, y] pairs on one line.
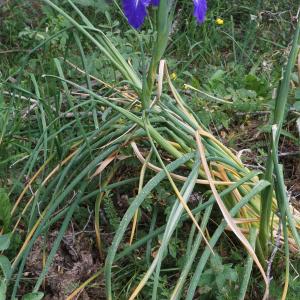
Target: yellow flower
[[185, 86], [219, 21], [173, 76]]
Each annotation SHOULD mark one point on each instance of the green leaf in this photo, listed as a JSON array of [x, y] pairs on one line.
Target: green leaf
[[230, 273], [220, 281], [216, 264], [2, 289], [206, 279], [297, 93], [100, 5], [218, 75], [33, 296], [4, 241], [173, 248], [5, 266], [254, 83], [5, 216], [296, 106]]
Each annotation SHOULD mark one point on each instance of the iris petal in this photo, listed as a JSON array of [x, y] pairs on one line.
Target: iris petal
[[200, 8], [135, 11]]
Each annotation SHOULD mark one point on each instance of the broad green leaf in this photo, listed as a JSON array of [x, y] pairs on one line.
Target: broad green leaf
[[5, 210], [33, 296], [5, 266], [218, 76], [4, 241], [259, 85]]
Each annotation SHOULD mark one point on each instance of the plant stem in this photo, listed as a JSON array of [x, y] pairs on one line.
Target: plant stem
[[163, 29], [279, 115]]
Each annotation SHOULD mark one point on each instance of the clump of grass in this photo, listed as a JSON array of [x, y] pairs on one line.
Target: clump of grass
[[151, 123]]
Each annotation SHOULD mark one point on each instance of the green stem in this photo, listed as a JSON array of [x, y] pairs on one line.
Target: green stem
[[279, 114], [248, 266], [163, 28]]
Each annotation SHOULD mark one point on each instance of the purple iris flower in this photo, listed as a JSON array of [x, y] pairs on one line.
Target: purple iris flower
[[136, 10], [200, 8]]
